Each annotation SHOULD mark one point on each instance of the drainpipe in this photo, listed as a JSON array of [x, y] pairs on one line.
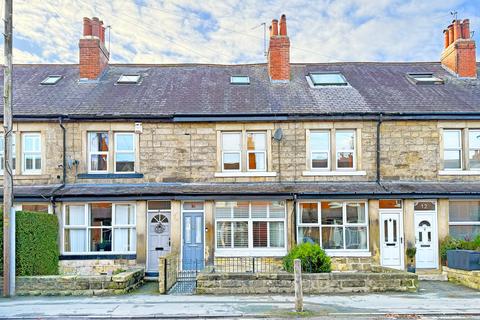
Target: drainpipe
[[379, 123]]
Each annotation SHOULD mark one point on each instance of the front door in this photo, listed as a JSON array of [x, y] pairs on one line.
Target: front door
[[193, 249], [391, 239], [158, 238], [426, 240]]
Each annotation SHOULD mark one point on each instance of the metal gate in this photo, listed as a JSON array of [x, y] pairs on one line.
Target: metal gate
[[186, 277]]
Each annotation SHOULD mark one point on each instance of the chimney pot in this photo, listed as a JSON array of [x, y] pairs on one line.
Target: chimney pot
[[466, 29], [95, 27], [283, 25], [457, 32], [87, 27], [450, 34], [274, 28], [447, 40]]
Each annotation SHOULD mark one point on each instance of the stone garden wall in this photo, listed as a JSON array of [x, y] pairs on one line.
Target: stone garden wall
[[79, 285], [379, 280], [167, 271], [469, 279], [95, 266]]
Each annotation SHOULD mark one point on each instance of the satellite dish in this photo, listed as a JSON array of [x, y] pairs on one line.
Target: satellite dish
[[278, 135]]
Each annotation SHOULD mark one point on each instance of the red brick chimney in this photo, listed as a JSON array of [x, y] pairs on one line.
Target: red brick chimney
[[279, 52], [459, 55], [93, 54]]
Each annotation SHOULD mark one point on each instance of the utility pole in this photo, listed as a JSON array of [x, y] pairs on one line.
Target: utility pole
[[8, 218]]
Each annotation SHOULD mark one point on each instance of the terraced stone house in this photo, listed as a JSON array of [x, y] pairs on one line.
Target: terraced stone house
[[206, 160]]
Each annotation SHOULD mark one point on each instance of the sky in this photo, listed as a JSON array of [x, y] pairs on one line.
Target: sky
[[231, 31]]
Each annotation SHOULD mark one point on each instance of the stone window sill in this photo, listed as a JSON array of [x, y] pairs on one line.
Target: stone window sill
[[96, 256], [459, 173], [109, 175], [244, 174], [278, 252], [333, 173]]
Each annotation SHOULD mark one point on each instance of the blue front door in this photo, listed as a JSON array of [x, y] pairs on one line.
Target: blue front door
[[193, 251]]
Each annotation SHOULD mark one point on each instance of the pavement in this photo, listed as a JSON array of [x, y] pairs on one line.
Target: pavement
[[434, 300]]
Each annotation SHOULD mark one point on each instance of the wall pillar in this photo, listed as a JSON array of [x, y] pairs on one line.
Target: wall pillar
[[141, 231], [408, 225], [291, 240], [374, 230], [442, 222], [175, 226], [209, 231]]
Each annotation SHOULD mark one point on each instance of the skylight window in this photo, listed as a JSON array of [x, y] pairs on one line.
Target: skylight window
[[51, 80], [424, 78], [327, 79], [129, 79], [240, 80]]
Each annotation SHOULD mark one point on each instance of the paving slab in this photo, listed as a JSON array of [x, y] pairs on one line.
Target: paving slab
[[435, 300]]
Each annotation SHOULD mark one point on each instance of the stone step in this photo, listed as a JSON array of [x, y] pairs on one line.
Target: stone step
[[433, 276]]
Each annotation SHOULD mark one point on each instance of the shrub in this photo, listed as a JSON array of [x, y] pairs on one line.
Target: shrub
[[312, 256], [450, 243], [36, 243]]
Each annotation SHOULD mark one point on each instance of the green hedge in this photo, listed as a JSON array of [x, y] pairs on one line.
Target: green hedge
[[36, 243], [313, 258]]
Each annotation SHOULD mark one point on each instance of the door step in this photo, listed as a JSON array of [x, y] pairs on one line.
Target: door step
[[434, 276]]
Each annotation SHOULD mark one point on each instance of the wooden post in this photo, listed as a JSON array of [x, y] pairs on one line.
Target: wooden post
[[8, 260], [297, 267]]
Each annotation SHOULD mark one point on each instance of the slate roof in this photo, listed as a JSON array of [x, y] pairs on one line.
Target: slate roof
[[168, 90], [408, 189]]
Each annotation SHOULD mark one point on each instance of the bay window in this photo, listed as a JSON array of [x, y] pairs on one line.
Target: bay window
[[250, 228], [334, 225], [464, 219], [99, 227], [31, 153]]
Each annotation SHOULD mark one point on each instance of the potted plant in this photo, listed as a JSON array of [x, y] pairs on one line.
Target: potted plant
[[411, 252]]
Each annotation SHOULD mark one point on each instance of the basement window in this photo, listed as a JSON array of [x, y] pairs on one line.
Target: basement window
[[423, 78], [51, 80], [245, 80], [319, 79], [129, 79]]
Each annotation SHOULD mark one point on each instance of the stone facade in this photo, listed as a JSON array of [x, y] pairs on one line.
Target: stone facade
[[79, 285], [187, 152]]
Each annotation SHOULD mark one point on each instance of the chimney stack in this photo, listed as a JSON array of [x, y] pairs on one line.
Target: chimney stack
[[279, 52], [459, 56], [93, 54]]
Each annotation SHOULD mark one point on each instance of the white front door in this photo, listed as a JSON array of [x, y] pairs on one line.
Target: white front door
[[426, 240], [391, 239], [158, 238]]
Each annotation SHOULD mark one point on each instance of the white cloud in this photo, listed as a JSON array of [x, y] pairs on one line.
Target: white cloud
[[212, 31]]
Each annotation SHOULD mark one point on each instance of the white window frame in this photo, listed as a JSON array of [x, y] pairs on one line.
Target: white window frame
[[328, 151], [345, 224], [472, 149], [35, 154], [251, 250], [90, 153], [353, 151], [239, 152], [264, 151], [460, 131], [88, 228], [116, 151], [14, 152]]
